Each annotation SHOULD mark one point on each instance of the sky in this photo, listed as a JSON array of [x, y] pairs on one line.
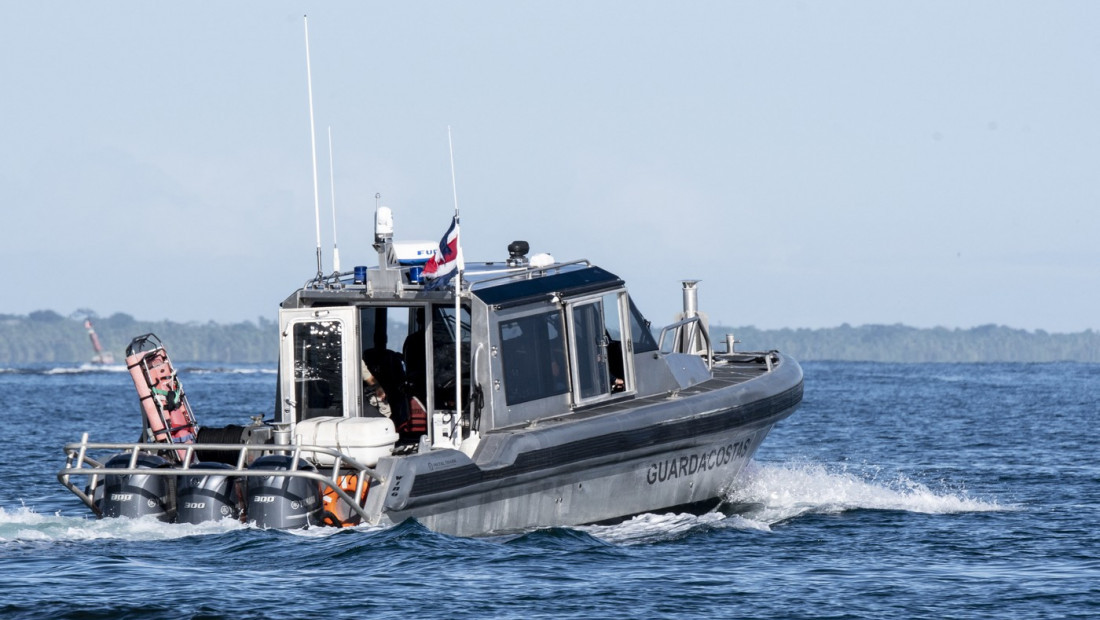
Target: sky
[[811, 163]]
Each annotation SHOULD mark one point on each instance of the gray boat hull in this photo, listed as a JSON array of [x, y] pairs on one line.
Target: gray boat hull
[[658, 453]]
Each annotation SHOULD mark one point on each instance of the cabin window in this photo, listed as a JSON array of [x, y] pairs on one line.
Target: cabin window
[[385, 327], [600, 363], [319, 368], [621, 341], [640, 333], [590, 339], [533, 356]]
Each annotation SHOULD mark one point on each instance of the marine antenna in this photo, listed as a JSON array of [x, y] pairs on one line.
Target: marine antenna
[[454, 186], [332, 193], [313, 146]]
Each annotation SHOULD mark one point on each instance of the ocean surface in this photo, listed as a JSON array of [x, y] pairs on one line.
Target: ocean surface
[[896, 491]]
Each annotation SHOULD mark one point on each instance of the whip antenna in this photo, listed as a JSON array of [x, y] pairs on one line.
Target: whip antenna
[[332, 193], [313, 146], [454, 186]]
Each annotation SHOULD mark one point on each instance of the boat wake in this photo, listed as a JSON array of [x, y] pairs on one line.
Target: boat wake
[[767, 494], [27, 526], [775, 492], [655, 528]]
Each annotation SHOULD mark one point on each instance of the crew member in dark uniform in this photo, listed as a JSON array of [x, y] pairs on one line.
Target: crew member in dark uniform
[[386, 375]]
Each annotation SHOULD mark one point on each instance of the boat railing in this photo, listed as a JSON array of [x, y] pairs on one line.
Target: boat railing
[[692, 325], [526, 270], [339, 280], [79, 463]]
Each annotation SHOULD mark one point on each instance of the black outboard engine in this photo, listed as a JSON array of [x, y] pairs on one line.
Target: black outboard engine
[[208, 498], [283, 502], [138, 495]]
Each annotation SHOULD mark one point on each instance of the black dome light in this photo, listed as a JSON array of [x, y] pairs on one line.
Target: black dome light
[[517, 253]]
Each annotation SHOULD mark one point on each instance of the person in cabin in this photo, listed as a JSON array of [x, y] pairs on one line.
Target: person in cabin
[[384, 376], [416, 367], [376, 394], [615, 365]]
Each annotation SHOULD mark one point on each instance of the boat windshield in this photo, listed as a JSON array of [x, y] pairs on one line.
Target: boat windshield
[[640, 333]]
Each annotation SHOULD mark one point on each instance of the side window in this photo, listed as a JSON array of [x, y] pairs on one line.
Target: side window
[[590, 340], [616, 351], [640, 334], [600, 364], [533, 357], [318, 368]]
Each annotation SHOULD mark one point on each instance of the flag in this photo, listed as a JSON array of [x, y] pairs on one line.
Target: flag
[[447, 260]]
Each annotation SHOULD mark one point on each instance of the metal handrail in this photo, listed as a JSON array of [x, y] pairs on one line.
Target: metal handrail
[[87, 466], [702, 330], [525, 269]]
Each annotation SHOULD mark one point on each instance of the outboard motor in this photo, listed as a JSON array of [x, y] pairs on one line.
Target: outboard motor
[[138, 495], [208, 498], [283, 502]]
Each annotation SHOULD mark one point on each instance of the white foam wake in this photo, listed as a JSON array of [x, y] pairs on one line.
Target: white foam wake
[[26, 525], [775, 492], [653, 528], [766, 494]]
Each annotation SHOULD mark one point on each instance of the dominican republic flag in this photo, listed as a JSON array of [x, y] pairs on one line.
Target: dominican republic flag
[[447, 260]]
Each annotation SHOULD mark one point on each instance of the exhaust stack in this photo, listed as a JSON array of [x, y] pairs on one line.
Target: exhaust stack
[[690, 337], [691, 298]]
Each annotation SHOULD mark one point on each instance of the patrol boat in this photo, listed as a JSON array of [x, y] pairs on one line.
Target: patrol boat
[[523, 393]]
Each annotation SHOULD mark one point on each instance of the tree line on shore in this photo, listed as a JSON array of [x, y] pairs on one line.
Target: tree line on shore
[[900, 343], [45, 336]]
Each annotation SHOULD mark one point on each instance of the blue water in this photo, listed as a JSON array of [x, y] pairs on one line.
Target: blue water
[[910, 491]]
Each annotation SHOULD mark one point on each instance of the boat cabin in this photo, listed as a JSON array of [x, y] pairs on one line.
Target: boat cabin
[[533, 339]]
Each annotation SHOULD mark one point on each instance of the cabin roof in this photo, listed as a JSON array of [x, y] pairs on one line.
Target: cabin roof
[[495, 284], [532, 286]]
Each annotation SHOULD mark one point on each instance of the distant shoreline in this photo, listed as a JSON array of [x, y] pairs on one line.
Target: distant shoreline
[[900, 343], [45, 336]]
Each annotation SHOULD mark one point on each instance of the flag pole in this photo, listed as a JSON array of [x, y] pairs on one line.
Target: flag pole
[[458, 292]]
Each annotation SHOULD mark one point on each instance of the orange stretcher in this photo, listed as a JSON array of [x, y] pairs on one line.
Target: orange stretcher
[[168, 417]]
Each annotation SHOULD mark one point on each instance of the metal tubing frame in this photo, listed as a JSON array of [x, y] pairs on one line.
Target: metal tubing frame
[[702, 330], [87, 466], [514, 271]]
